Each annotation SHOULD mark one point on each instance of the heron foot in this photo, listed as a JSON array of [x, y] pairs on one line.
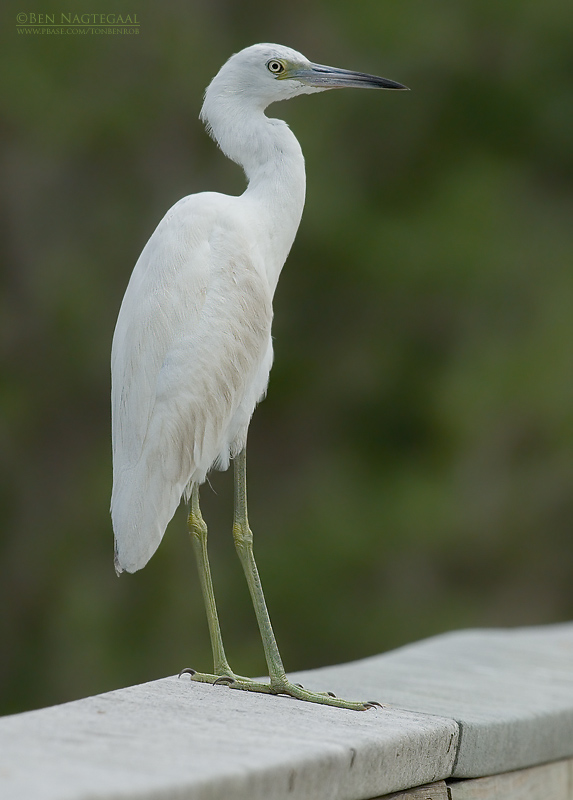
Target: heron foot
[[285, 687], [300, 693], [224, 679]]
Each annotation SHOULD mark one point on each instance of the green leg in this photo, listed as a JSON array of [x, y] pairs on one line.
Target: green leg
[[279, 683], [198, 533]]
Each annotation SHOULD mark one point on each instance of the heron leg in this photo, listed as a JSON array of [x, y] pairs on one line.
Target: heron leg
[[279, 683], [243, 538], [222, 672], [198, 532]]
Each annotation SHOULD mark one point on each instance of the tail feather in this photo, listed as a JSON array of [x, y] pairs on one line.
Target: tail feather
[[141, 509]]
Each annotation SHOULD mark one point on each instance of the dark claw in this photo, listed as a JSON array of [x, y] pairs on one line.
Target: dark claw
[[187, 671], [224, 680], [331, 694], [300, 686], [372, 704]]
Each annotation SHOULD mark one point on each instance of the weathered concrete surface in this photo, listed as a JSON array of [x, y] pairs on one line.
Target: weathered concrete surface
[[510, 691], [465, 704], [547, 782], [176, 739]]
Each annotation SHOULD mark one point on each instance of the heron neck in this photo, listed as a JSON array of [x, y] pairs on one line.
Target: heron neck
[[272, 160], [277, 185]]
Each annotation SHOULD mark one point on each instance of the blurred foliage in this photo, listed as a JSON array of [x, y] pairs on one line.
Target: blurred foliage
[[411, 470]]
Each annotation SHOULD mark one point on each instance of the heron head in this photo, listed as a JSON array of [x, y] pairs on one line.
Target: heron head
[[266, 73]]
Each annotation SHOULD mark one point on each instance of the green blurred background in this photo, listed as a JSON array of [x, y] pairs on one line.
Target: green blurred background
[[411, 470]]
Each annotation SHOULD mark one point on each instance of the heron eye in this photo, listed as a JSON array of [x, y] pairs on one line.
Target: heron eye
[[276, 67]]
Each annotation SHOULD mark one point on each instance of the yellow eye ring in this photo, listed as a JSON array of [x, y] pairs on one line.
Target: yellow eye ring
[[275, 66]]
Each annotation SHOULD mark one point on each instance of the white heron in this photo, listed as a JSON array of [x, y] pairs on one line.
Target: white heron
[[192, 347]]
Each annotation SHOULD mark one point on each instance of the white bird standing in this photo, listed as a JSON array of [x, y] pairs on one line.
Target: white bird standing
[[192, 348]]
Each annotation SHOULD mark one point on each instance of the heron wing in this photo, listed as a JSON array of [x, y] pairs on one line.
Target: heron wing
[[190, 358]]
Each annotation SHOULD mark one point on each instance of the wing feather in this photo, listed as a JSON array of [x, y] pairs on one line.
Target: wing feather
[[190, 359]]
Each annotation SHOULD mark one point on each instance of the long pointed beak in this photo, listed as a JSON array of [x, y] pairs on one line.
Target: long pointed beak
[[322, 77]]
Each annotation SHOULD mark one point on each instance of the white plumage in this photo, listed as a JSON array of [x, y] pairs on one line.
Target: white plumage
[[192, 347], [190, 358]]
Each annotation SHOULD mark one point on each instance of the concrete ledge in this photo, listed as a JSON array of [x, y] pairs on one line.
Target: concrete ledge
[[173, 739], [509, 691], [548, 782], [465, 704]]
